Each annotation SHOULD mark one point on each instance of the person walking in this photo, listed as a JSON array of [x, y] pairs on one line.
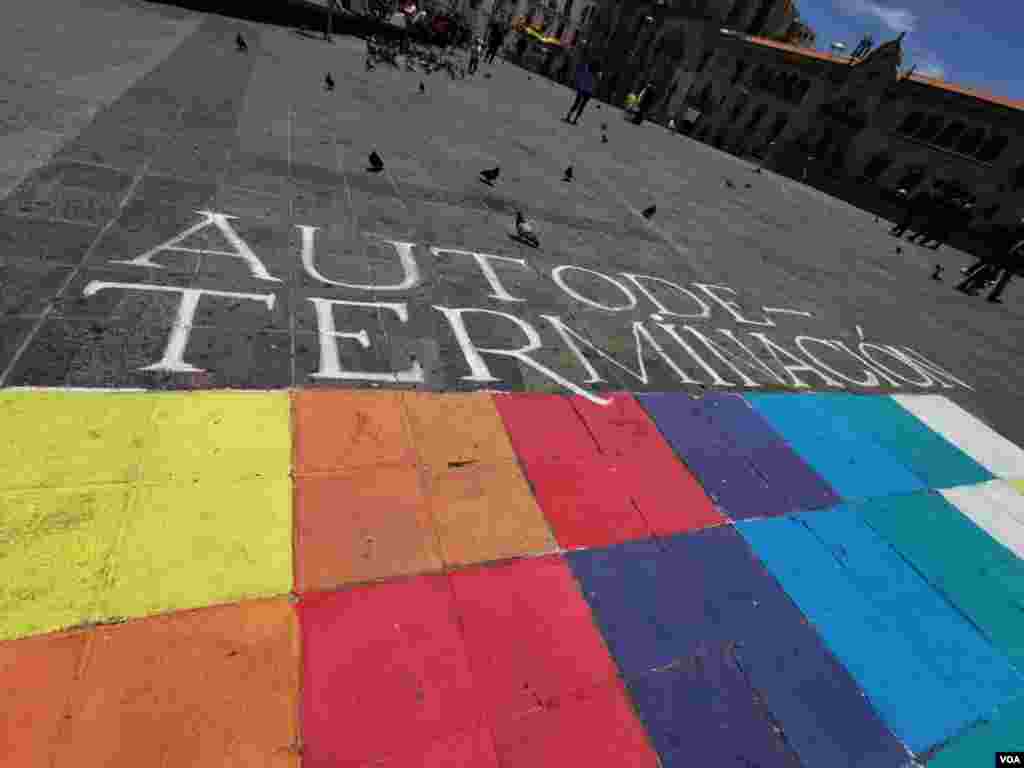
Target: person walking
[[475, 52], [584, 91], [647, 96], [494, 42], [915, 206], [1001, 271]]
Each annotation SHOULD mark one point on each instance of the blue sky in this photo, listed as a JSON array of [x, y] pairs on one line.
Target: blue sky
[[971, 42]]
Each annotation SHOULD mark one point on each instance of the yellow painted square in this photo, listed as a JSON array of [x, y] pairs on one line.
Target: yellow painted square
[[56, 555], [222, 436], [70, 439], [202, 543], [1018, 484]]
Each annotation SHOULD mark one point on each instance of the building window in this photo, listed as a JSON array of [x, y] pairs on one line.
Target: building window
[[970, 141], [911, 178], [951, 133], [877, 166], [741, 68], [931, 128], [992, 149], [755, 119], [778, 127]]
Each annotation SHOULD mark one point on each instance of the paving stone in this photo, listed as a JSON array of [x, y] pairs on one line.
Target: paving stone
[[27, 287], [83, 353], [361, 525], [449, 430], [337, 430], [530, 636], [228, 676], [553, 737], [72, 439], [380, 657], [485, 511]]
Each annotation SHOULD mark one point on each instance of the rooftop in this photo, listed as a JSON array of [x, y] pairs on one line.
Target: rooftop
[[933, 82]]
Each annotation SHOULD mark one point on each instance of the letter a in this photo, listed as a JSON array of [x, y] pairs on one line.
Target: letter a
[[220, 221]]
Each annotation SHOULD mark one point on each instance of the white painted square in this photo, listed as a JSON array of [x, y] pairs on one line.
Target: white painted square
[[996, 507], [975, 438]]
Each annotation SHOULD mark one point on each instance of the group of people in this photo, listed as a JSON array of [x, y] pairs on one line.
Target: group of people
[[935, 214]]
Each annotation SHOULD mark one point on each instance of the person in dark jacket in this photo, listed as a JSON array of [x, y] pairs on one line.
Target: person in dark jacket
[[647, 98], [916, 206], [584, 91]]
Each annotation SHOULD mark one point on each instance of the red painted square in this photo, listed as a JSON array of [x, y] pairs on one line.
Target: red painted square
[[382, 663], [545, 428], [599, 730], [668, 496], [530, 635], [622, 428], [587, 504], [474, 749]]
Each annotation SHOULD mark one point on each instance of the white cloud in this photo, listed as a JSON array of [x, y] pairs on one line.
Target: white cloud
[[929, 65], [896, 19]]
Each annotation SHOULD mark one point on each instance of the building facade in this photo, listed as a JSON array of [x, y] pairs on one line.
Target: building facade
[[864, 119]]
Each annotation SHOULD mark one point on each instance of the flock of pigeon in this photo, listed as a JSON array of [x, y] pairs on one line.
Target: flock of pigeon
[[525, 231]]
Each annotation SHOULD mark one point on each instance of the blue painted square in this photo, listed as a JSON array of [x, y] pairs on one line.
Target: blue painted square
[[851, 462], [720, 596], [724, 470], [926, 453], [703, 712], [926, 670], [773, 459]]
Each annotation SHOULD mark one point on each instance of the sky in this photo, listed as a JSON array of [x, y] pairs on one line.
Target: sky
[[969, 42]]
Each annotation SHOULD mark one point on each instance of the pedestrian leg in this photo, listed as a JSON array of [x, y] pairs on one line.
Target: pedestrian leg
[[973, 279], [583, 99], [1000, 286], [576, 102]]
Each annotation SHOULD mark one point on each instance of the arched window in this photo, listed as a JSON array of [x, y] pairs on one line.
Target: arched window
[[778, 127], [911, 123], [741, 68], [911, 177], [877, 165], [970, 141], [950, 134], [755, 119], [992, 149], [931, 128], [1017, 178]]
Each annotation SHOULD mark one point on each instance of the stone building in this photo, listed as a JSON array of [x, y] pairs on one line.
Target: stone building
[[803, 111]]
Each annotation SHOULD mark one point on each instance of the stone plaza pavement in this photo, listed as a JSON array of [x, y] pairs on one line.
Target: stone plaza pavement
[[744, 484]]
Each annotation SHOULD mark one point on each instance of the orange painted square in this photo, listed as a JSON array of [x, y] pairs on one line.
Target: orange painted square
[[361, 525], [36, 679], [486, 512], [344, 429], [216, 686], [455, 428]]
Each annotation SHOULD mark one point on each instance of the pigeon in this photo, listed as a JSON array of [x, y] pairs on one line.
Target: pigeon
[[937, 274], [490, 176], [730, 184], [487, 75], [604, 139], [567, 176], [329, 82], [748, 186], [604, 127], [376, 163], [899, 249], [525, 231], [423, 88], [649, 211], [758, 170], [369, 64], [240, 43]]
